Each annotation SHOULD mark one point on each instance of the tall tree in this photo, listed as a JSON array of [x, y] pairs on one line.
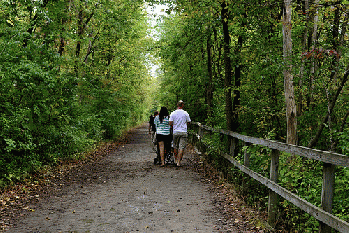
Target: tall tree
[[227, 66], [291, 113], [209, 88]]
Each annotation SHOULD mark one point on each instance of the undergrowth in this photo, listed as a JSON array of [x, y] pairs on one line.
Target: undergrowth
[[301, 176]]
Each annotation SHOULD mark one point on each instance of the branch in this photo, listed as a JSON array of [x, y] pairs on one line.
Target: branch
[[88, 19], [333, 103], [89, 49]]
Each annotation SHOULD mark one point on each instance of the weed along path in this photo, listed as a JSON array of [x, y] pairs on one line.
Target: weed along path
[[125, 192]]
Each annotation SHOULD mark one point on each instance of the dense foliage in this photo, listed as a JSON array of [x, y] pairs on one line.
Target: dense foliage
[[191, 45], [194, 68], [72, 73]]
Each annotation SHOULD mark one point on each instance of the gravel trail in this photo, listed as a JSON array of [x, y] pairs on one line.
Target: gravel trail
[[125, 192]]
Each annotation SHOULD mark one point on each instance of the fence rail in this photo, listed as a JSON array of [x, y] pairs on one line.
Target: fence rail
[[330, 159], [324, 156]]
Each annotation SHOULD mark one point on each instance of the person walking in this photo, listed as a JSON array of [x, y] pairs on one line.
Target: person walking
[[152, 128], [163, 132], [179, 119]]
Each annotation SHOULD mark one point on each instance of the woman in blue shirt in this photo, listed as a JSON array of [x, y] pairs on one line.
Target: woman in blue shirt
[[163, 132]]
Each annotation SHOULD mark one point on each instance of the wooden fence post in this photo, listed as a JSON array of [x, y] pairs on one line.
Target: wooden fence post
[[232, 146], [247, 156], [327, 193], [273, 197], [200, 133], [191, 136]]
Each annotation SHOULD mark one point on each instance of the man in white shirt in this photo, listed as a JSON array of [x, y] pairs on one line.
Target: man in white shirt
[[179, 119]]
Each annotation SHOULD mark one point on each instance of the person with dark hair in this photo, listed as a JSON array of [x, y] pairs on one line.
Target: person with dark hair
[[163, 132], [179, 119], [152, 128]]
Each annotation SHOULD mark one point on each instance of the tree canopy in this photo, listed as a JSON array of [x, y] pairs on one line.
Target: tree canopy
[[73, 73]]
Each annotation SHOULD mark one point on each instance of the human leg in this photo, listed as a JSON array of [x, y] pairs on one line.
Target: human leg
[[153, 136], [162, 152], [179, 157], [161, 142], [181, 146], [175, 146]]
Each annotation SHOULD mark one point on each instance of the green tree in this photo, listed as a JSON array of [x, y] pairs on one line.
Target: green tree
[[72, 74]]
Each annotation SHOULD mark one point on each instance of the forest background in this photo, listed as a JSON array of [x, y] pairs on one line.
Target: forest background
[[74, 73]]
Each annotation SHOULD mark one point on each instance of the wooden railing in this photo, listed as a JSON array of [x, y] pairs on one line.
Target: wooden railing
[[329, 159]]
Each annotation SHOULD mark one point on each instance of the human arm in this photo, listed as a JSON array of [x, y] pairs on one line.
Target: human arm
[[156, 122], [188, 119]]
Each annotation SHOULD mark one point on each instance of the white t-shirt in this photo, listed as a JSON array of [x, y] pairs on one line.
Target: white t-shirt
[[180, 119]]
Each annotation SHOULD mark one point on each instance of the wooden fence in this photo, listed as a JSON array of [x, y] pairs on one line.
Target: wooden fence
[[329, 159]]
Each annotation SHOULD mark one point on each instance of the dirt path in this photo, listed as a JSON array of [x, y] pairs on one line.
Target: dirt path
[[125, 192]]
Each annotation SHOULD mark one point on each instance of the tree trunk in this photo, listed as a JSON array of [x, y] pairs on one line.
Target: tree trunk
[[291, 113], [335, 29], [227, 67], [312, 43], [236, 102], [80, 32], [209, 89], [238, 68], [218, 60], [315, 20], [305, 48], [61, 39]]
